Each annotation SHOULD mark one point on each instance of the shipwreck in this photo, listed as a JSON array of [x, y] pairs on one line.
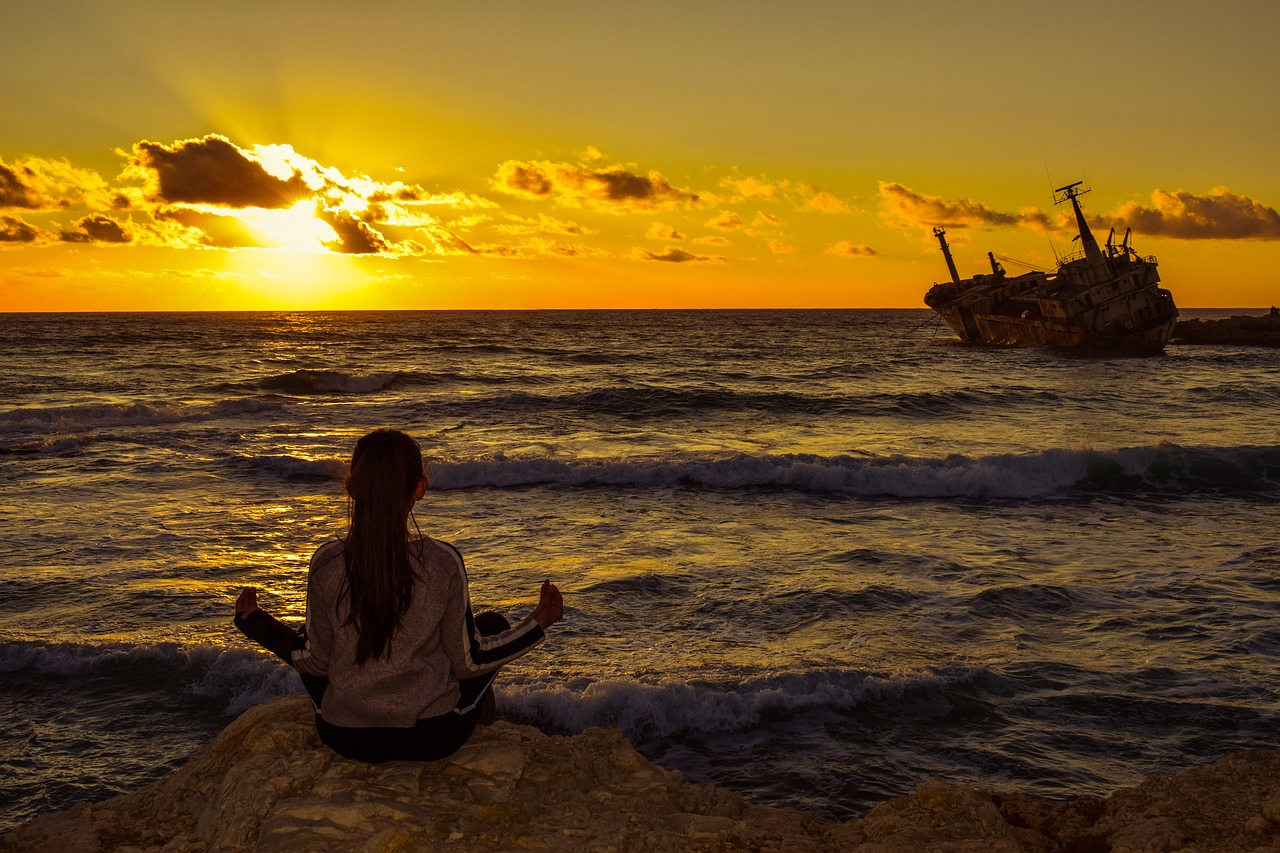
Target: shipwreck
[[1099, 297]]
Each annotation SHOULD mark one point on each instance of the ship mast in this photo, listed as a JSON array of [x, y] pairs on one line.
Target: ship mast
[[1092, 254], [941, 234]]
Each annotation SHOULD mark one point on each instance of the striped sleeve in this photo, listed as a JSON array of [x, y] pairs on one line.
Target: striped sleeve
[[470, 653], [313, 658]]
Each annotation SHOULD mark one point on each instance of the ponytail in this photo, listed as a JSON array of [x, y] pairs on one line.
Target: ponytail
[[386, 468]]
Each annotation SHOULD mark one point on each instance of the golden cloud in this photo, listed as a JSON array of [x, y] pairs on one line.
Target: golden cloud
[[713, 240], [780, 248], [674, 255], [444, 242], [613, 189], [726, 221], [1220, 215], [751, 188], [661, 231], [904, 207], [543, 224], [35, 183], [825, 202], [553, 248], [849, 249], [763, 220]]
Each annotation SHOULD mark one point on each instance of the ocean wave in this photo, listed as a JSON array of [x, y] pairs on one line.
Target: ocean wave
[[73, 419], [671, 707], [238, 677], [643, 402], [241, 678], [286, 467], [304, 382], [1162, 468]]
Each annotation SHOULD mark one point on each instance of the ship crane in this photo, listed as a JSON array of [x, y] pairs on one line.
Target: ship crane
[[1026, 264]]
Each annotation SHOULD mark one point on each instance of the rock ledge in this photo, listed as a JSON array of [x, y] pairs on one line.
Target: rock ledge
[[267, 784], [1261, 331]]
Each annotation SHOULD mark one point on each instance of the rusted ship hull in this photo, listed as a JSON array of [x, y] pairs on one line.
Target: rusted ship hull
[[1145, 328]]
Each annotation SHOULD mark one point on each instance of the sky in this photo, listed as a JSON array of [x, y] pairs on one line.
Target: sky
[[667, 154]]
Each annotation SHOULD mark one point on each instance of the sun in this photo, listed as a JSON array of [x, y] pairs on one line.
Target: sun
[[291, 229]]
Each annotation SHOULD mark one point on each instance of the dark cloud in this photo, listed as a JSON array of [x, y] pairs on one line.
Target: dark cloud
[[212, 170], [614, 188], [1220, 215], [13, 229], [355, 236], [14, 191], [908, 207], [97, 228]]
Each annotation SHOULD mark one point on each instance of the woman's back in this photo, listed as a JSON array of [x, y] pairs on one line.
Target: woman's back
[[435, 646], [396, 689]]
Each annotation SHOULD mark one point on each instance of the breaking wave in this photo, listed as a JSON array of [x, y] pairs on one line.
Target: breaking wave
[[673, 707], [235, 679]]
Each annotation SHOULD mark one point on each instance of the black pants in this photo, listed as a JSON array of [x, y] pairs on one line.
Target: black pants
[[431, 738]]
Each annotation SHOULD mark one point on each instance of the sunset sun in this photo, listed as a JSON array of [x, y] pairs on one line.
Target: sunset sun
[[292, 229]]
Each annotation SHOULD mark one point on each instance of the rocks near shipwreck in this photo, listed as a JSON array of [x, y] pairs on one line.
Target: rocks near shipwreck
[[1261, 331], [267, 784]]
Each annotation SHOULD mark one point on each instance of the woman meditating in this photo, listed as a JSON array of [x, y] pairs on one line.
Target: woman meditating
[[396, 665]]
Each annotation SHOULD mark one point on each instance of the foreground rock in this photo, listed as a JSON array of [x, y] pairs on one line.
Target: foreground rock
[[267, 784], [1250, 331]]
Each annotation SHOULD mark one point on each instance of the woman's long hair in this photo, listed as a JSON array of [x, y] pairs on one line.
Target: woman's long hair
[[386, 468]]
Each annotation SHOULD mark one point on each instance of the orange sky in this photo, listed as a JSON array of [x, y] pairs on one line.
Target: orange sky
[[675, 154]]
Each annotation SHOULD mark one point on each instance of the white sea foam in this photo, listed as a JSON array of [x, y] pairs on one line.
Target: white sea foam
[[244, 678], [671, 707], [72, 659]]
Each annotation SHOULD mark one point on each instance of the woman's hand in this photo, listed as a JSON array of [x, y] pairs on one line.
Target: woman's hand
[[550, 606], [247, 602]]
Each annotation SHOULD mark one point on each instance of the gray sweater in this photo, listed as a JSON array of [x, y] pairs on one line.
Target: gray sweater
[[435, 646]]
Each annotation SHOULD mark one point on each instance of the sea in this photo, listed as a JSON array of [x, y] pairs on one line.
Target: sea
[[814, 557]]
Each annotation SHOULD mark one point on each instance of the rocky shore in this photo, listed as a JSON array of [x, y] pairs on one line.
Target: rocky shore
[[1261, 331], [267, 784]]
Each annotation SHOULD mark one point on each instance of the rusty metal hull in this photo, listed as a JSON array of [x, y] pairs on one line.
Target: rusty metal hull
[[1002, 331]]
